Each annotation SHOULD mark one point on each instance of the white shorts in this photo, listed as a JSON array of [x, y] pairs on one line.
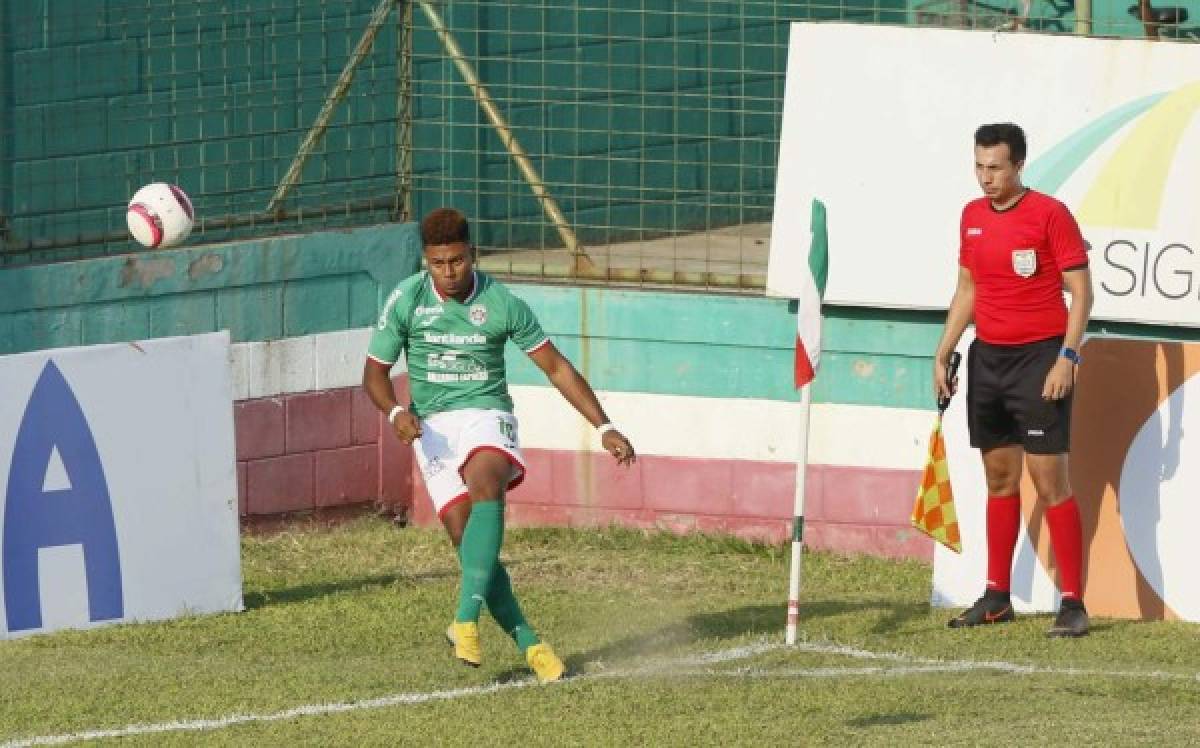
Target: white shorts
[[451, 438]]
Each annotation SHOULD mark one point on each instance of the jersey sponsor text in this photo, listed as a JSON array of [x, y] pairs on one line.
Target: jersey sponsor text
[[470, 376], [450, 338]]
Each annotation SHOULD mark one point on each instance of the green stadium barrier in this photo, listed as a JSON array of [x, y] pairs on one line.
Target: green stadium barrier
[[262, 289]]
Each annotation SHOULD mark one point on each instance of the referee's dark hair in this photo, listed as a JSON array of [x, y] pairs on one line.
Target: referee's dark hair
[[444, 226], [1003, 132]]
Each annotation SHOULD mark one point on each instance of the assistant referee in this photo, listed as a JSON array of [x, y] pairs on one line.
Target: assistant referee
[[1018, 250]]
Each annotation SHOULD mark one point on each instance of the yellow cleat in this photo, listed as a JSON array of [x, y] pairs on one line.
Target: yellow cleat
[[465, 638], [544, 662]]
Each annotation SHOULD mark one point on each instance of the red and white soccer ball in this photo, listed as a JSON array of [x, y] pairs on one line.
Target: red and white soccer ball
[[160, 215]]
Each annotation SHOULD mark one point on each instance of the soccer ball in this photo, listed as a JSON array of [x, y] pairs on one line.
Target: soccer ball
[[159, 215]]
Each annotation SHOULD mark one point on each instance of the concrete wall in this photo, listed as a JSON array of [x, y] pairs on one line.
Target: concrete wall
[[701, 383], [258, 290]]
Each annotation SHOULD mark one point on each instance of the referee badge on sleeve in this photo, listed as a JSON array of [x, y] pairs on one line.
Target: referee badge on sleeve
[[1024, 262]]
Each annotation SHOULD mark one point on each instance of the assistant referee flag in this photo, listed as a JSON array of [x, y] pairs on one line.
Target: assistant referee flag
[[933, 512]]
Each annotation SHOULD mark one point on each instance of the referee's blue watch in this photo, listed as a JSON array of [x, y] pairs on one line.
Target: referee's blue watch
[[1071, 355]]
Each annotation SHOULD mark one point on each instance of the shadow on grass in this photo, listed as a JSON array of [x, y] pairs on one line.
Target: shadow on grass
[[771, 619], [305, 592], [1100, 627], [1095, 626], [885, 720]]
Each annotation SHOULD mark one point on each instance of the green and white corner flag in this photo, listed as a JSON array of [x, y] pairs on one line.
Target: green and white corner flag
[[808, 359], [808, 309]]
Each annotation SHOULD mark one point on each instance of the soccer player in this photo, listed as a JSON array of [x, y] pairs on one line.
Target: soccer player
[[1018, 249], [452, 322]]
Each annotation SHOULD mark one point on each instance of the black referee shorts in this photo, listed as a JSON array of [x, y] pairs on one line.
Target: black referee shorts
[[1004, 398]]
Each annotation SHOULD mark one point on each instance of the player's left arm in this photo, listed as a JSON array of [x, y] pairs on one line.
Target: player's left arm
[[1061, 379], [567, 380]]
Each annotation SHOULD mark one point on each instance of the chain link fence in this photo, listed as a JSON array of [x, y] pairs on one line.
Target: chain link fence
[[616, 142]]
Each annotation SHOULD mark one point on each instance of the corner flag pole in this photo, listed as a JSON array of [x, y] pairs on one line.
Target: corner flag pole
[[811, 292], [793, 607]]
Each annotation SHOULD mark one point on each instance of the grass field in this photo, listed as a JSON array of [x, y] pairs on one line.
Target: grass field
[[671, 641]]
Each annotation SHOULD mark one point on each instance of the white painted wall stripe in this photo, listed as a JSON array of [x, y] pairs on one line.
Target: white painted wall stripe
[[674, 425], [329, 360], [339, 358], [869, 436], [731, 429]]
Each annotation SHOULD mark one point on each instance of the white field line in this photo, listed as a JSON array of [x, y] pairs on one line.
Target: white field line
[[994, 665], [403, 699], [691, 666], [218, 723]]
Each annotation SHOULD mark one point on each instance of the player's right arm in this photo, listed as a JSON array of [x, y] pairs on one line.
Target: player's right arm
[[962, 311], [388, 341], [525, 331], [576, 390], [378, 384]]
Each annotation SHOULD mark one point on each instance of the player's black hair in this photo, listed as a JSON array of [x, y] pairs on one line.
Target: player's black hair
[[445, 226], [1003, 132]]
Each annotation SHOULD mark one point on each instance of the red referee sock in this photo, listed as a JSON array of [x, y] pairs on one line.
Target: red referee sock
[[1003, 525], [1066, 536]]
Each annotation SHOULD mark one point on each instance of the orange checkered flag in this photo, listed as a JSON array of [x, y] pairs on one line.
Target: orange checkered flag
[[933, 513]]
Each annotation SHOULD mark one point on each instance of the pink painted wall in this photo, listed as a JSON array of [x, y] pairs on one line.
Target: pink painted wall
[[332, 448], [847, 510], [319, 450]]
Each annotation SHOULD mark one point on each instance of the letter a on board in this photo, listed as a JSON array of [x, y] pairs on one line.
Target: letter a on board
[[37, 517]]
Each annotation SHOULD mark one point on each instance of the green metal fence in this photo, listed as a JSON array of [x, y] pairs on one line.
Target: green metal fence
[[616, 141], [105, 96]]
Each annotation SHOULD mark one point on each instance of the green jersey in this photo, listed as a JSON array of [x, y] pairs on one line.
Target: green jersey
[[455, 349]]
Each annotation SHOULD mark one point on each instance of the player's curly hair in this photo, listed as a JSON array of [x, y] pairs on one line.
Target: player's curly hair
[[1003, 132], [444, 226]]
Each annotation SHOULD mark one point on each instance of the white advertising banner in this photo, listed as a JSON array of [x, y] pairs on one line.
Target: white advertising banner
[[118, 490], [878, 125]]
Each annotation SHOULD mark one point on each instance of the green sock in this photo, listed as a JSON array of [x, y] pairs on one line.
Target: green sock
[[502, 604], [480, 552]]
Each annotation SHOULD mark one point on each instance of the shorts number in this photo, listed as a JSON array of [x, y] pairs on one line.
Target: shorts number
[[508, 430]]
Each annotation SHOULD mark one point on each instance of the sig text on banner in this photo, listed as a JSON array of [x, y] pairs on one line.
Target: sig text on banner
[[1113, 133]]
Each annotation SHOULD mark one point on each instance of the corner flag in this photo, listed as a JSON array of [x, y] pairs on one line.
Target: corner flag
[[808, 306], [808, 359]]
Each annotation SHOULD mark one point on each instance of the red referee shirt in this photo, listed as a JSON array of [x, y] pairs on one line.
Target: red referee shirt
[[1017, 257]]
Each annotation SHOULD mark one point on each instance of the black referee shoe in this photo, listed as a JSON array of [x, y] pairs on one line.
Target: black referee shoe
[[993, 607], [1072, 620]]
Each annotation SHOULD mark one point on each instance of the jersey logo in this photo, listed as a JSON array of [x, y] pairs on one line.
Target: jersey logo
[[1024, 262], [427, 314], [433, 467], [974, 231], [478, 314]]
